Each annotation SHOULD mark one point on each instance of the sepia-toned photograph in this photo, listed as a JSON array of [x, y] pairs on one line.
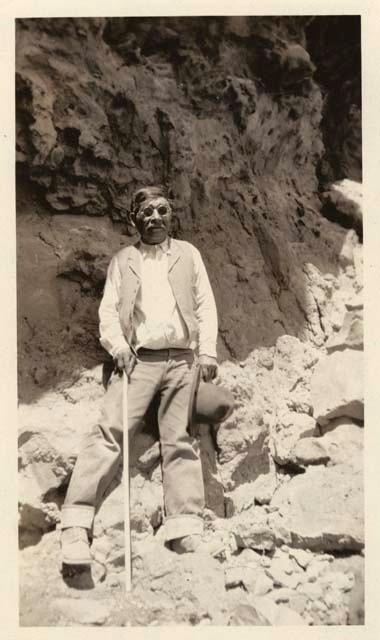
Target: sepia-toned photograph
[[190, 321]]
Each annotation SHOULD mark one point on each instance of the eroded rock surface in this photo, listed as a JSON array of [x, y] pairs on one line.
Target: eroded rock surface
[[232, 127]]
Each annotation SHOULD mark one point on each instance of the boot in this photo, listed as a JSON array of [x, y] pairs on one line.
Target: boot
[[75, 547]]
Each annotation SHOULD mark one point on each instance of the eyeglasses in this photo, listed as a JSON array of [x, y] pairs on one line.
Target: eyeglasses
[[162, 210]]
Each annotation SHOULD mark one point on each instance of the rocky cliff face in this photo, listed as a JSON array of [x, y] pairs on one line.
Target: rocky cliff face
[[240, 119]]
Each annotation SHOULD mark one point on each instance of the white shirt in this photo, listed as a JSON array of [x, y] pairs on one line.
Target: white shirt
[[157, 319]]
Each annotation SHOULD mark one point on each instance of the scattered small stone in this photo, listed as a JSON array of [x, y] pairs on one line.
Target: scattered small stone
[[246, 614], [297, 601], [319, 604], [327, 557], [263, 585], [247, 557], [315, 569], [282, 579], [313, 591], [302, 557], [266, 360], [254, 536], [281, 564], [265, 561], [330, 599], [113, 579], [281, 595], [339, 580], [278, 614], [236, 576]]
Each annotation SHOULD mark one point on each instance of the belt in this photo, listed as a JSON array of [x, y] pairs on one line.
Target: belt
[[163, 354]]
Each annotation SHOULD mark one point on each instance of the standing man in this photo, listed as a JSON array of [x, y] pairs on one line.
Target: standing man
[[157, 309]]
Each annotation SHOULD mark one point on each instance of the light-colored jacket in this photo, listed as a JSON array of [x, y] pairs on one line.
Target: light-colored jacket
[[180, 272], [190, 286]]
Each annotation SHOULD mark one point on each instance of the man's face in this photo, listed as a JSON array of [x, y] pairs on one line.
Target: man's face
[[153, 220]]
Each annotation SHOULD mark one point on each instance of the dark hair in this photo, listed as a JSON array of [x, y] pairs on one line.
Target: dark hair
[[146, 193]]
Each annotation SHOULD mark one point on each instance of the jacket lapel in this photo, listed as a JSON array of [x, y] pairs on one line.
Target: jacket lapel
[[174, 255], [134, 260]]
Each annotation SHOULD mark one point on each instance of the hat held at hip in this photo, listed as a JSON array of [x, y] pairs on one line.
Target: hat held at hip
[[209, 403]]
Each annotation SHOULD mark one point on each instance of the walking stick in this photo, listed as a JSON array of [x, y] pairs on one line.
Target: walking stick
[[127, 535]]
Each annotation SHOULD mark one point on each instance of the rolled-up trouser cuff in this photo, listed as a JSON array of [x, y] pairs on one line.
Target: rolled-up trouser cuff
[[78, 515], [182, 525]]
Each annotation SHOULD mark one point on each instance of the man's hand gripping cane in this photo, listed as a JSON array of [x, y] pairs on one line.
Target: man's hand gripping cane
[[125, 360]]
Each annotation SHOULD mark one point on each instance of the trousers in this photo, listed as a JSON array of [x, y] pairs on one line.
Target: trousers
[[168, 373]]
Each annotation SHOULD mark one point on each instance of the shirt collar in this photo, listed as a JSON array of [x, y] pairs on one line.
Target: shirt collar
[[153, 249]]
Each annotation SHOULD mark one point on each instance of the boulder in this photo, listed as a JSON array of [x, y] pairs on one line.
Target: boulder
[[263, 584], [351, 334], [260, 491], [264, 487], [290, 427], [243, 440], [345, 200], [323, 508], [253, 529], [43, 473], [255, 536], [278, 614], [244, 452], [309, 451], [343, 440], [248, 614], [346, 255], [42, 468], [82, 611], [247, 557], [337, 386], [252, 578]]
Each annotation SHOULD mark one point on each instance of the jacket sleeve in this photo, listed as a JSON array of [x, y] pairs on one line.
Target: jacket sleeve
[[205, 307], [111, 333]]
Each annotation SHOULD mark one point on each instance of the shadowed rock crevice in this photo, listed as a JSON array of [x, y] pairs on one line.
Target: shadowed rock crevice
[[336, 52]]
